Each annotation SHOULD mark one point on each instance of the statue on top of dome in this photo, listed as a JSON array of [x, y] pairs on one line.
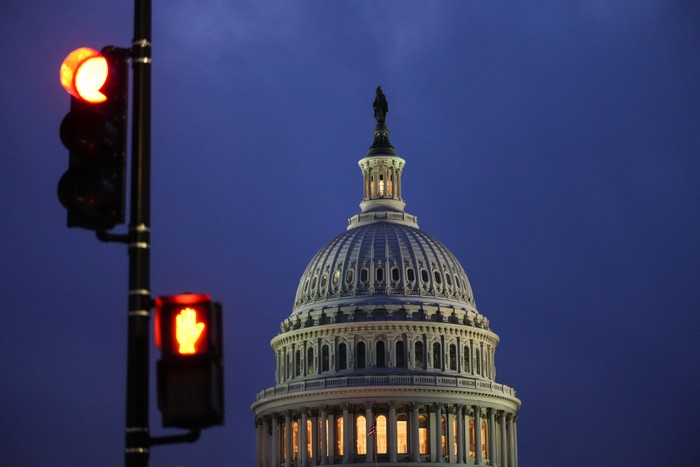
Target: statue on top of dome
[[380, 106]]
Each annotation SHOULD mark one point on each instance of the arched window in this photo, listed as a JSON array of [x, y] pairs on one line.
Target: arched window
[[453, 357], [310, 361], [483, 439], [423, 435], [295, 441], [381, 355], [381, 435], [297, 363], [478, 362], [400, 355], [401, 434], [361, 435], [342, 356], [418, 354], [437, 356], [360, 360], [467, 366], [325, 359], [339, 435]]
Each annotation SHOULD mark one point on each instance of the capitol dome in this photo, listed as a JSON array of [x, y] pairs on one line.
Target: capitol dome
[[383, 262], [384, 359]]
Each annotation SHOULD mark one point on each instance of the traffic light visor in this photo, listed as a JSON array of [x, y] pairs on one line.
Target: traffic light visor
[[83, 73]]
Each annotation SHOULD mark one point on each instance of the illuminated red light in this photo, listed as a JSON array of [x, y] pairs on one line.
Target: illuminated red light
[[83, 73]]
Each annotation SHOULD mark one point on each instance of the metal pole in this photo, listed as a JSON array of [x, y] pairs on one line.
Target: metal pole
[[137, 391]]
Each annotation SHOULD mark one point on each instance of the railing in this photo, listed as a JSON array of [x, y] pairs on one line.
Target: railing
[[387, 380]]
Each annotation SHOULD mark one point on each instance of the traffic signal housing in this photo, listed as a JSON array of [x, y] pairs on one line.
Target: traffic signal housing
[[190, 374], [95, 133]]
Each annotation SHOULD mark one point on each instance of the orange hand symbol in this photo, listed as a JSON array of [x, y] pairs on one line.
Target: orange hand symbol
[[188, 330]]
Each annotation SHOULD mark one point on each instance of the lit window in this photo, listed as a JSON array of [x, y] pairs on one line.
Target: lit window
[[336, 277], [339, 435], [361, 435], [381, 435], [423, 435], [454, 435], [283, 440], [381, 185], [308, 439], [472, 441], [443, 440], [295, 440], [483, 438], [402, 435]]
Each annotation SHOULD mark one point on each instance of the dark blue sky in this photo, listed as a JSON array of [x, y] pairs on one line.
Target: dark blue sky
[[553, 146]]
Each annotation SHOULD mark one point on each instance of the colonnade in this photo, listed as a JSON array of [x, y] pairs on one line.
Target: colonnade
[[388, 433]]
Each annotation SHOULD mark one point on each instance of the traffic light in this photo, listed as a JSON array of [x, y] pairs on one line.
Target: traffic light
[[94, 131], [190, 372]]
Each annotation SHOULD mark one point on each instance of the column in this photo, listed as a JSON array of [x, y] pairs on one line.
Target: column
[[288, 439], [450, 434], [331, 438], [437, 456], [303, 435], [259, 443], [415, 440], [315, 451], [324, 436], [391, 432], [477, 435], [460, 433], [370, 439], [275, 441], [510, 440], [504, 446], [266, 442], [491, 440], [515, 441]]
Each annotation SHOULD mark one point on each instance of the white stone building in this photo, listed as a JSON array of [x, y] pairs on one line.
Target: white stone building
[[385, 359]]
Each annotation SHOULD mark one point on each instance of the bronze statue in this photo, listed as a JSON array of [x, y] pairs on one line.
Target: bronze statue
[[380, 106]]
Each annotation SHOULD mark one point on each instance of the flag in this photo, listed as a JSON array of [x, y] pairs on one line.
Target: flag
[[373, 430]]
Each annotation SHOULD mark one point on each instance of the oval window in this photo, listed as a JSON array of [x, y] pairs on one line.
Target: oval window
[[348, 275], [363, 275], [410, 275], [336, 277], [424, 275], [395, 274], [438, 277], [380, 274]]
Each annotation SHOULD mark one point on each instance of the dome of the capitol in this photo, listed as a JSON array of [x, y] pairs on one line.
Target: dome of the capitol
[[383, 262], [384, 359]]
